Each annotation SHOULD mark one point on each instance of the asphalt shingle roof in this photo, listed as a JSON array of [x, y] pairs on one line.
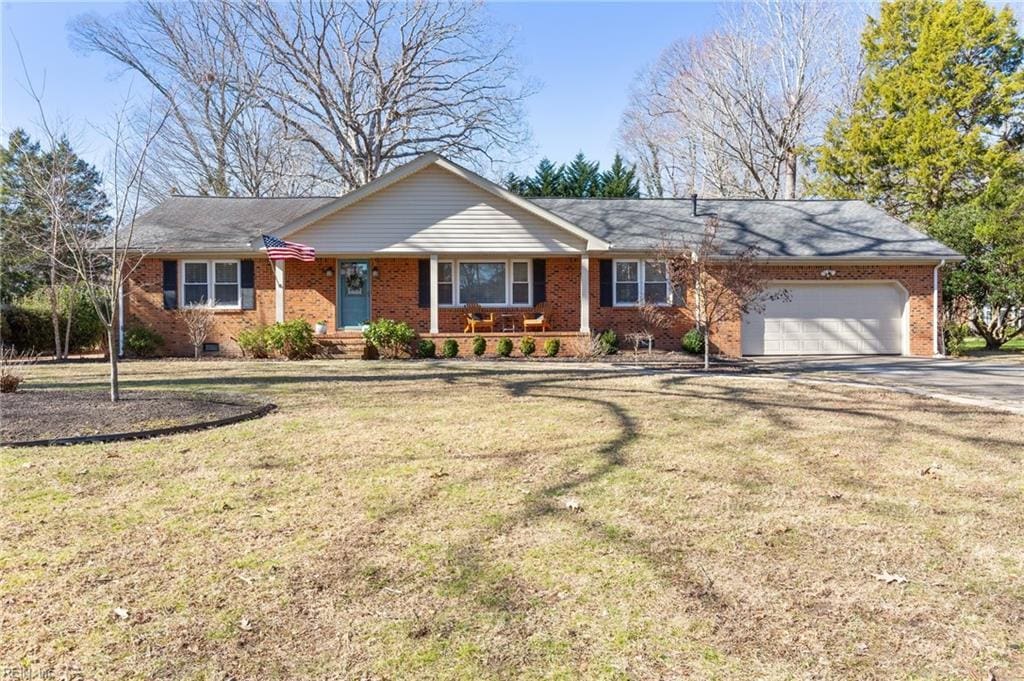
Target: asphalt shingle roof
[[776, 228], [203, 223]]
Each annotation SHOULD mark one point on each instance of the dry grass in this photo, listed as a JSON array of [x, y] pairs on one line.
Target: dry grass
[[409, 520]]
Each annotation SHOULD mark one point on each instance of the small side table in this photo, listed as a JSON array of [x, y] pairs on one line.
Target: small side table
[[508, 322]]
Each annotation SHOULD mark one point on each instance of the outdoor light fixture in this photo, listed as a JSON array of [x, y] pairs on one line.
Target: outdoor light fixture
[[329, 271], [828, 273], [376, 272]]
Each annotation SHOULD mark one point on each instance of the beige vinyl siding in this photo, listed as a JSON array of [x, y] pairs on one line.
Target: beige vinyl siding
[[434, 210]]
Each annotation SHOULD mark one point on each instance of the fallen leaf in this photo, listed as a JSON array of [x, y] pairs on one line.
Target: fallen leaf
[[120, 613], [931, 470], [573, 505], [245, 624], [890, 578]]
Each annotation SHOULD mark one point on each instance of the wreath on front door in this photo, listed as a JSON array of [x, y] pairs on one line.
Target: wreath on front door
[[354, 280]]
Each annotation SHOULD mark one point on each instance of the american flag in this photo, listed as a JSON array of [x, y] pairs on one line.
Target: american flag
[[278, 249]]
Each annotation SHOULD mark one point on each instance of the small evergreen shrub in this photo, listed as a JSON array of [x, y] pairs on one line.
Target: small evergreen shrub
[[527, 346], [427, 349], [479, 345], [608, 342], [391, 338], [142, 341], [552, 346], [28, 327], [954, 337], [504, 347], [292, 339], [450, 348], [255, 342], [693, 342]]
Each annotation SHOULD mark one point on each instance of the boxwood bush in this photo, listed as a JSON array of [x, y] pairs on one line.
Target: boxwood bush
[[504, 347], [142, 341], [693, 342], [527, 346], [427, 349], [450, 348], [552, 346], [479, 345], [608, 342]]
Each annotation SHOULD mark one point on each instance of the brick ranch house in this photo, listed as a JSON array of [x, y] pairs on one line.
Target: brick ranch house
[[418, 243]]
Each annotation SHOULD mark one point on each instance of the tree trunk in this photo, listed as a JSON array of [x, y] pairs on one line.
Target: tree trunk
[[55, 315], [115, 389], [196, 349], [707, 349], [67, 322], [791, 163]]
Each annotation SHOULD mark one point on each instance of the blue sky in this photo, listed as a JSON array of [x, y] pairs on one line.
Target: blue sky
[[584, 55]]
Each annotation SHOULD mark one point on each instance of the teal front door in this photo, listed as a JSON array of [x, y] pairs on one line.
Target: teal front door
[[353, 293]]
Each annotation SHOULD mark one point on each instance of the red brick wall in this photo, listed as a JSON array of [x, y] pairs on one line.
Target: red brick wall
[[310, 295]]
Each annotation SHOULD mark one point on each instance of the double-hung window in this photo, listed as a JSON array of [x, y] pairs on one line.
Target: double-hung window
[[520, 282], [445, 283], [216, 283], [640, 281]]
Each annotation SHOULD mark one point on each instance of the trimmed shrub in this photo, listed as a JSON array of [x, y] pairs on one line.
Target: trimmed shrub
[[693, 342], [608, 342], [450, 348], [427, 349], [504, 347], [527, 346], [479, 345], [142, 341], [255, 342], [292, 339], [954, 337], [552, 346], [391, 338]]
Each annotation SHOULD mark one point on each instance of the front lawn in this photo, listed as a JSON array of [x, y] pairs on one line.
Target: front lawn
[[976, 345], [506, 520]]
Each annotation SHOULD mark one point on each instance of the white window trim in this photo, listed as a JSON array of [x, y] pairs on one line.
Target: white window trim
[[508, 262], [211, 275], [641, 274]]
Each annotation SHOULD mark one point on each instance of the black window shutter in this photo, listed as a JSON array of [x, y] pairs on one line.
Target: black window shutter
[[170, 285], [424, 282], [540, 280], [247, 278], [606, 282]]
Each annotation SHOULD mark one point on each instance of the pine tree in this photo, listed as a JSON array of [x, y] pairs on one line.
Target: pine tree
[[547, 180], [582, 178], [620, 181], [934, 121], [22, 267]]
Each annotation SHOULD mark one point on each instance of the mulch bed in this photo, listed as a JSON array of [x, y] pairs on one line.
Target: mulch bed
[[49, 414]]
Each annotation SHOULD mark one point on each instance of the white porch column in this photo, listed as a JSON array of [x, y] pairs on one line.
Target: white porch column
[[584, 294], [433, 294], [279, 290]]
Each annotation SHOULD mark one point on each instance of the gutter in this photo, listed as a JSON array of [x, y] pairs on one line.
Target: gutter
[[938, 348]]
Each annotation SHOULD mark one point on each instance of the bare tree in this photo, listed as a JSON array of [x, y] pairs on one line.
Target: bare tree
[[197, 56], [735, 110], [652, 318], [371, 83], [727, 283], [198, 321]]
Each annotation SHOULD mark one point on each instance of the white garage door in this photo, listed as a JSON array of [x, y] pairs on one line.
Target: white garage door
[[828, 319]]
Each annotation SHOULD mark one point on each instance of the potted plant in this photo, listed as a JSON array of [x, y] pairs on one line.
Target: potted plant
[[321, 327]]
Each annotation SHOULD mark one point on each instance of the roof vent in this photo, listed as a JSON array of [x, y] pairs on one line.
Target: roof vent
[[693, 198]]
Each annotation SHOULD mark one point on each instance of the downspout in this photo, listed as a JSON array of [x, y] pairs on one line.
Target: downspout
[[938, 348]]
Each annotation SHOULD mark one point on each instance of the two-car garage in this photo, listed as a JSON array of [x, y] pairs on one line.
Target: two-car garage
[[828, 318]]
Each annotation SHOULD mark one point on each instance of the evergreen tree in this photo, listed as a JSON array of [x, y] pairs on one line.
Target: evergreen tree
[[516, 184], [620, 181], [582, 178], [547, 180], [939, 112], [22, 267]]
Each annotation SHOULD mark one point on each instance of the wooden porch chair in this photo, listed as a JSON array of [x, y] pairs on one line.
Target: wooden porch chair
[[538, 319], [477, 320]]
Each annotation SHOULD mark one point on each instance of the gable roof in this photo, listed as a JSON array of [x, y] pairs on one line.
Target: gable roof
[[777, 229], [421, 162]]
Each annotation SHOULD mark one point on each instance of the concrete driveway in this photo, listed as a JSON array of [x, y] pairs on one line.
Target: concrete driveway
[[988, 383]]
